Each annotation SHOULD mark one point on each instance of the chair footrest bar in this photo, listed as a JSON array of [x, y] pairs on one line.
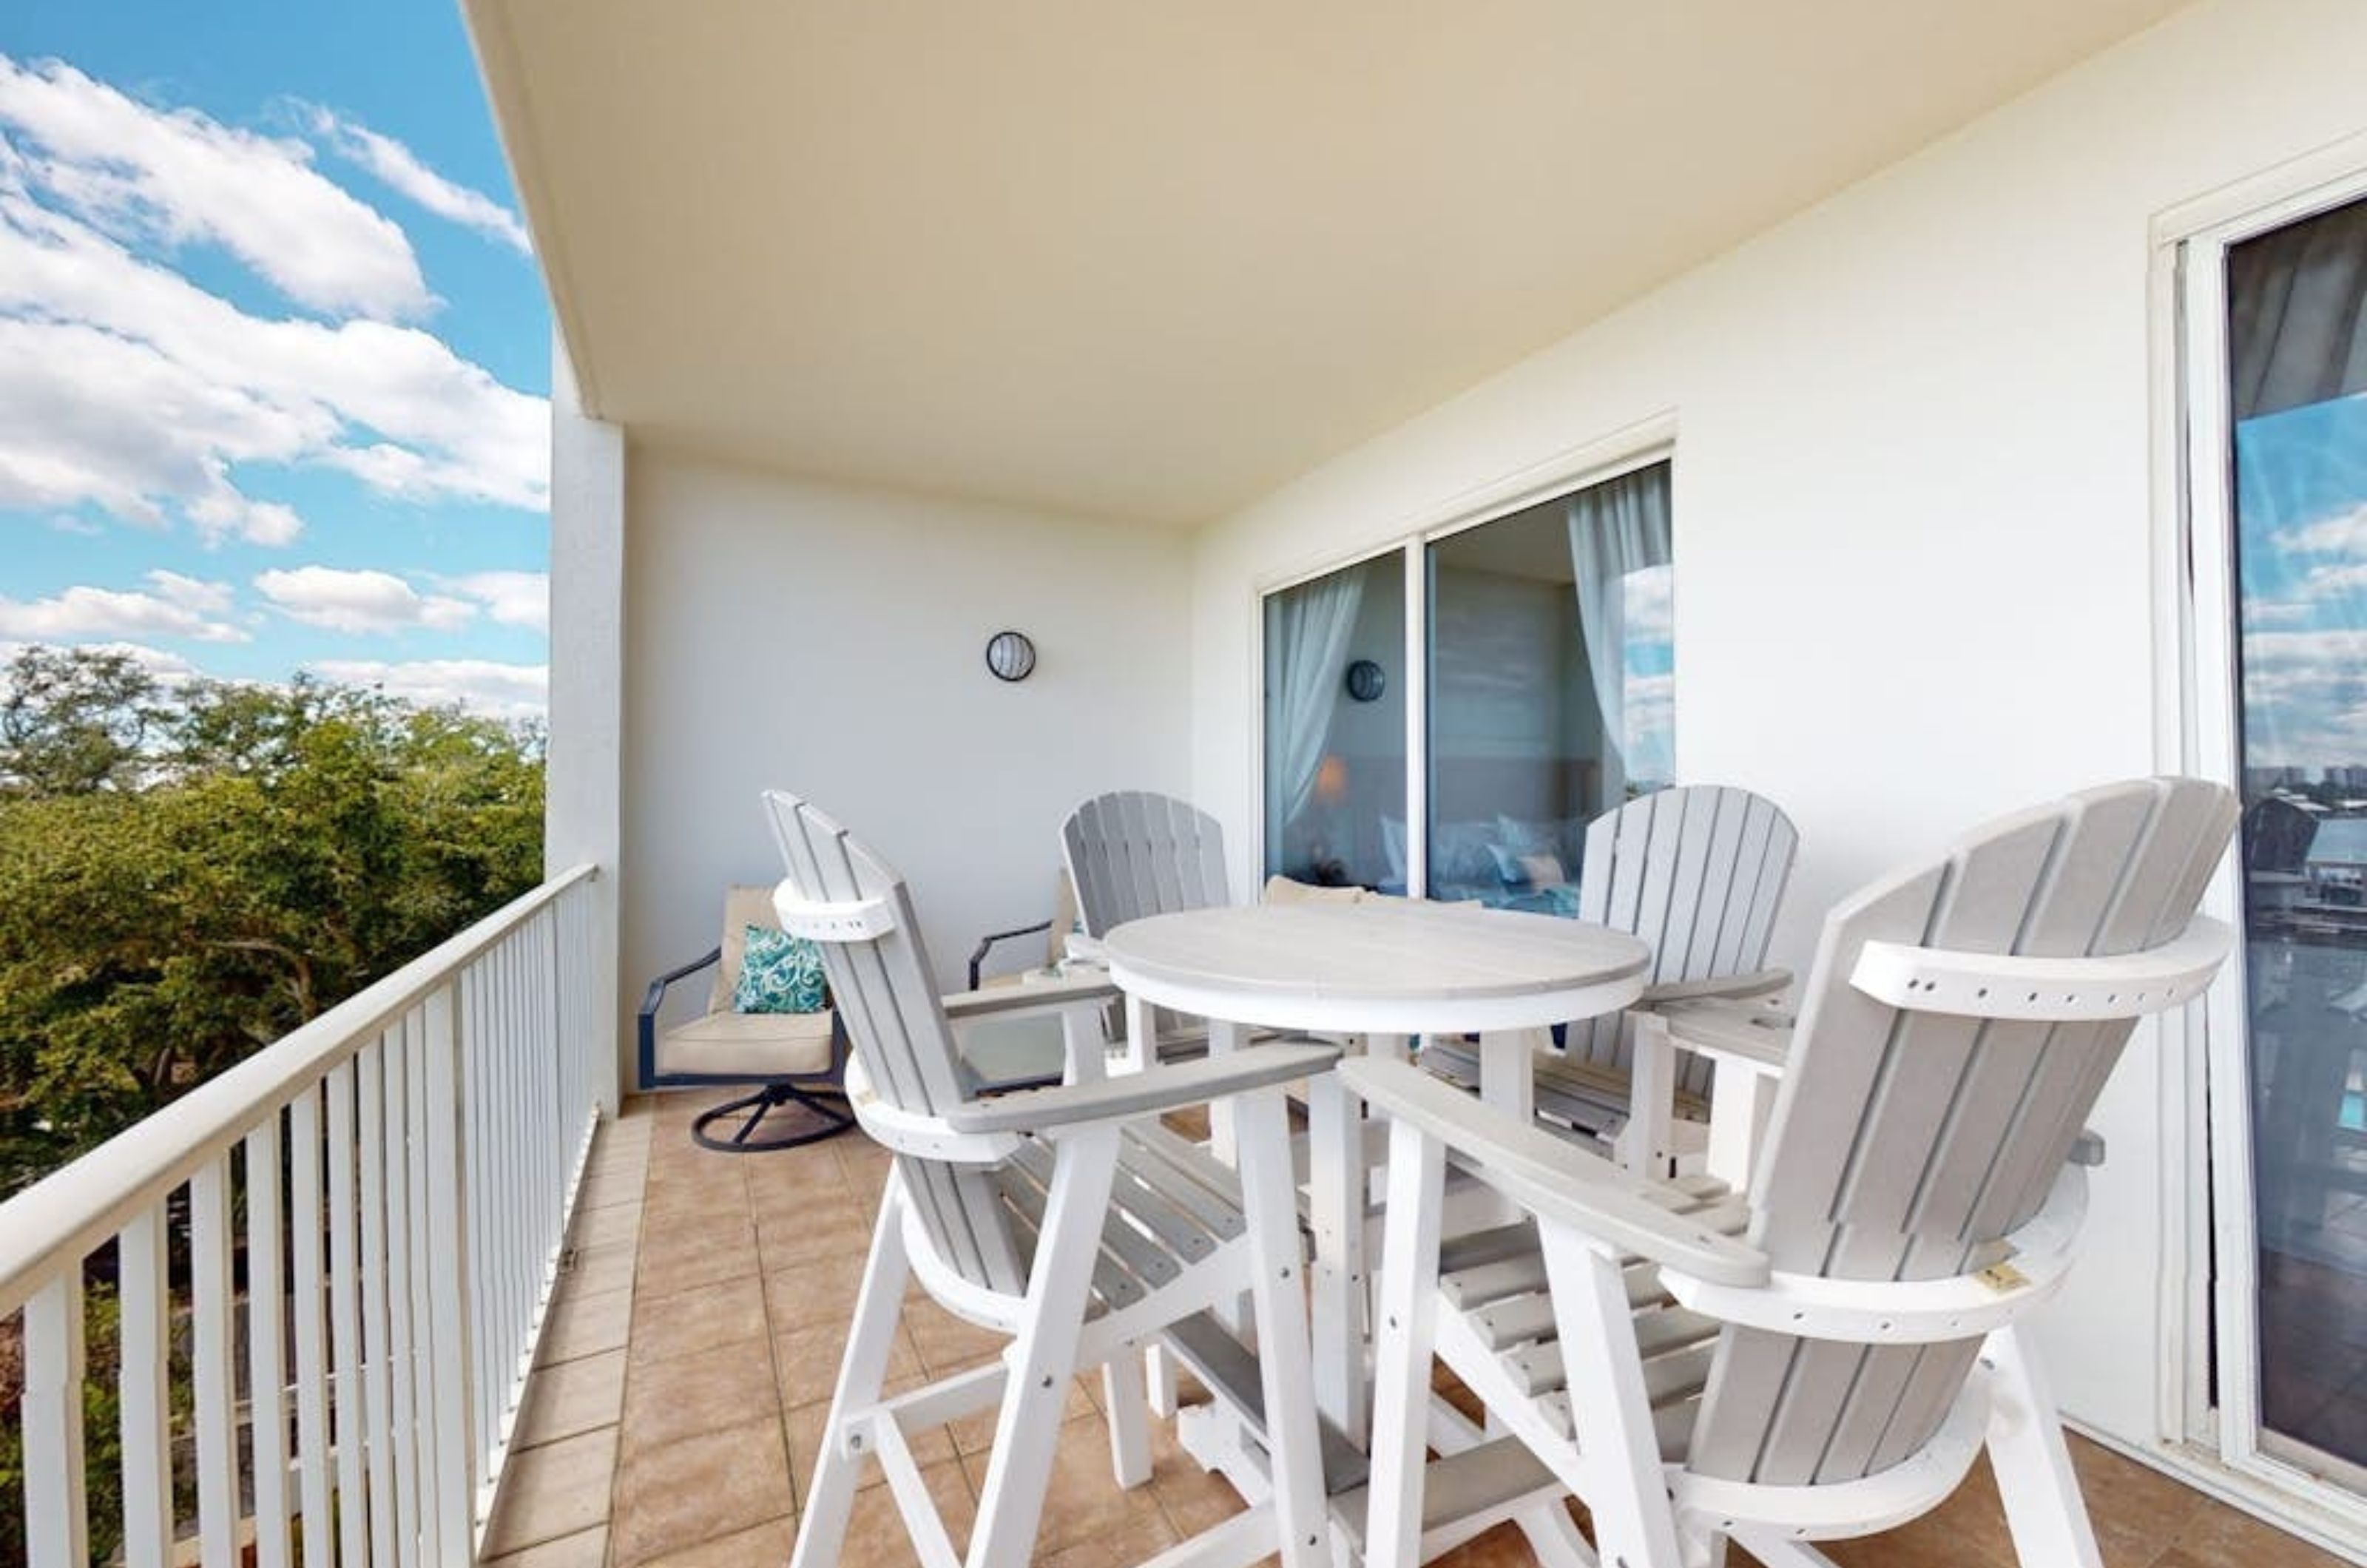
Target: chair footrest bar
[[1230, 1370]]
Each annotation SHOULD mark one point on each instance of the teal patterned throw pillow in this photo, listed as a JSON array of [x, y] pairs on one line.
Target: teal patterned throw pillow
[[779, 973]]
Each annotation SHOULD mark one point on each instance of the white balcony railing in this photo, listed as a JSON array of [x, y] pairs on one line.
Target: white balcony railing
[[347, 1241]]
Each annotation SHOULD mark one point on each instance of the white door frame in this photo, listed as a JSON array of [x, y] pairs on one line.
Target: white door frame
[[2195, 733]]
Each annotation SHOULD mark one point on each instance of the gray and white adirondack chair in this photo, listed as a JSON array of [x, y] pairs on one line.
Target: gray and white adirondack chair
[[1698, 872], [1132, 853], [1066, 1217], [1825, 1358]]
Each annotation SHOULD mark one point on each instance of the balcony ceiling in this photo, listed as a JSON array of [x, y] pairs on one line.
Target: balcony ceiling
[[1147, 261]]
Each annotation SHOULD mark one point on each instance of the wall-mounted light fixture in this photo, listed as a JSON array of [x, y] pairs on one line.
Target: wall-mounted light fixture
[[1367, 680], [1011, 656]]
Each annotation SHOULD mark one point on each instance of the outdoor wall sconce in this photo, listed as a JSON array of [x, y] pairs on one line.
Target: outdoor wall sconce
[[1367, 680], [1011, 656]]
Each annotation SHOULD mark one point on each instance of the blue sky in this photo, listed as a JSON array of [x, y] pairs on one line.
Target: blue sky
[[273, 356], [2301, 494]]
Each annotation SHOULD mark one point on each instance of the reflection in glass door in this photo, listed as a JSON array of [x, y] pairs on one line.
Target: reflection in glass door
[[2297, 388]]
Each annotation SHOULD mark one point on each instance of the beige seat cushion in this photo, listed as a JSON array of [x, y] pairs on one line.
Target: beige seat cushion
[[748, 1044], [1283, 890]]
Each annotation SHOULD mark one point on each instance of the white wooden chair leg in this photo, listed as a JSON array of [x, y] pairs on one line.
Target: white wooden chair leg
[[1643, 1145], [1123, 1396], [1044, 1356], [1278, 1304], [1141, 1034], [1741, 1099], [1159, 1382], [2034, 1478], [1336, 1205], [878, 1306], [1635, 1525], [1404, 1315]]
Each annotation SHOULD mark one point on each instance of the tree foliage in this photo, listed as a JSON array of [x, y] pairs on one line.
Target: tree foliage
[[187, 872]]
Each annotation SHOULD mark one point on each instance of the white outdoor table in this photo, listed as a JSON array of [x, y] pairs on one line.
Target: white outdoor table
[[1389, 971]]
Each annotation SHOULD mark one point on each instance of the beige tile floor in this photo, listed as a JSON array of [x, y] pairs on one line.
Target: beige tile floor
[[684, 1376]]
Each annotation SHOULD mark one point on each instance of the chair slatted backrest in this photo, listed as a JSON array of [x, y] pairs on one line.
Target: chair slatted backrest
[[1906, 1143], [1133, 854], [883, 991], [1698, 872]]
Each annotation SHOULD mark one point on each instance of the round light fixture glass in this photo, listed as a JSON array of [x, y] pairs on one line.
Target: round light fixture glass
[[1011, 656], [1367, 680]]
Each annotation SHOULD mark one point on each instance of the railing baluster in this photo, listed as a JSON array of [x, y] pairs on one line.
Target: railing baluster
[[144, 1311], [401, 1355], [377, 1391], [214, 1340], [311, 1356], [57, 1520], [267, 1365], [456, 1463], [345, 1320], [424, 1263]]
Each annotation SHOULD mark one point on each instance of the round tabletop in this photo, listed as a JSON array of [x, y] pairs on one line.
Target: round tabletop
[[1392, 966]]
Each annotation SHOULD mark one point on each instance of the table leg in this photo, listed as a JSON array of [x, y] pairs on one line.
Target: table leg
[[1141, 1034], [1335, 1201], [1507, 1079], [1223, 1039]]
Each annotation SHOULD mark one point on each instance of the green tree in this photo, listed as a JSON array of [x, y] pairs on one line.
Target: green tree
[[246, 858], [74, 720]]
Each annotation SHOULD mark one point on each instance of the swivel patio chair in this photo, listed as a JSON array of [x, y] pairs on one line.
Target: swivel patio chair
[[792, 1059], [1064, 1216], [1825, 1356]]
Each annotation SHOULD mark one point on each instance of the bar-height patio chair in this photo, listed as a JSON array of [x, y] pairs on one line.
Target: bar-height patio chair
[[1826, 1359], [1132, 853], [1064, 1216], [1697, 871]]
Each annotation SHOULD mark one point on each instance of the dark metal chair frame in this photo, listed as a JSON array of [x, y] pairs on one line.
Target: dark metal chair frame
[[821, 1095]]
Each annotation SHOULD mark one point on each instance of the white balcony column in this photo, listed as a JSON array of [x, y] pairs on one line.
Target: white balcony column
[[583, 815]]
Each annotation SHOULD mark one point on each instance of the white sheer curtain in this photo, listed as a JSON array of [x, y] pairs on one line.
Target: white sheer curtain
[[1617, 528], [1310, 633]]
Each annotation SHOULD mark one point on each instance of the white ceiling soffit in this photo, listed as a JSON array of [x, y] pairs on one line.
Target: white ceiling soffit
[[1147, 261]]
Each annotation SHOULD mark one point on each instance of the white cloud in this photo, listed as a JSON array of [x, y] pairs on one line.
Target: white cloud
[[179, 176], [359, 602], [479, 686], [125, 387], [511, 598], [401, 169], [2342, 533], [180, 606]]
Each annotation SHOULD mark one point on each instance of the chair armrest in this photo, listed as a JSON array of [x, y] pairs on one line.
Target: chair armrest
[[657, 990], [985, 944], [1035, 995], [1555, 1181], [1719, 987], [1756, 1037], [1145, 1093]]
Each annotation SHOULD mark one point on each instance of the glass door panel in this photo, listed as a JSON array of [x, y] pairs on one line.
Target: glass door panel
[[2297, 361], [1552, 681], [1335, 728]]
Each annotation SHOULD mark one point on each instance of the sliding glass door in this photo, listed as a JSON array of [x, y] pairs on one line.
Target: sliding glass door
[[1551, 686], [1543, 678], [1335, 728], [2297, 450]]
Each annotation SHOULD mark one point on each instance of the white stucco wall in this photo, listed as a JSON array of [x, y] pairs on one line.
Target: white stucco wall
[[830, 641], [1912, 511]]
